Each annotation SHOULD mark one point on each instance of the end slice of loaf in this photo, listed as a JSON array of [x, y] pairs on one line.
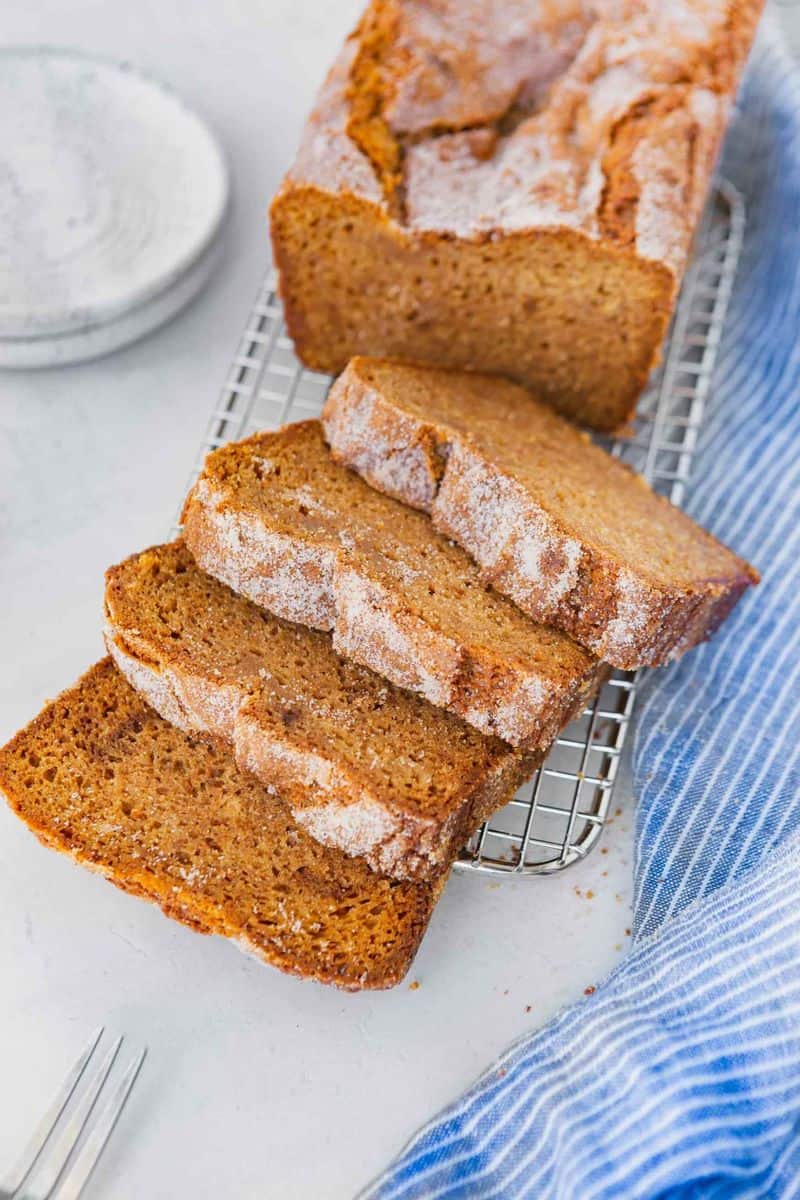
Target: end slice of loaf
[[279, 521], [100, 776], [573, 536], [362, 764]]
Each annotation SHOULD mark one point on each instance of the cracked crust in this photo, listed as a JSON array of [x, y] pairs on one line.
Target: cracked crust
[[404, 600], [529, 178], [628, 576]]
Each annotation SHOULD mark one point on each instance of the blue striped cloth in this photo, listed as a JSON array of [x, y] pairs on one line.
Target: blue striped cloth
[[680, 1076]]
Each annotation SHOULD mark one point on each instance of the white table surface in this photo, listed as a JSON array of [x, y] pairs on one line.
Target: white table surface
[[256, 1085]]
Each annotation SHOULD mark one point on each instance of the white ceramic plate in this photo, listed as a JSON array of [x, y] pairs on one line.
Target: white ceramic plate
[[112, 198]]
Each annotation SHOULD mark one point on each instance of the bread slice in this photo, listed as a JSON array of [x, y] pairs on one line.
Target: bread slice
[[573, 536], [100, 776], [279, 521], [362, 765]]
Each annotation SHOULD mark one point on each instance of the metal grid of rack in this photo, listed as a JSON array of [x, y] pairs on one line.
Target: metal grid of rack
[[557, 818]]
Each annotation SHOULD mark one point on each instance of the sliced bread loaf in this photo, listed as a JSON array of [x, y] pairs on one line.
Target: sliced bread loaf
[[573, 536], [362, 764], [100, 776], [279, 521], [510, 185]]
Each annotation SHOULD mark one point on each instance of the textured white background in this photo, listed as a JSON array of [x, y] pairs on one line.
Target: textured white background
[[256, 1085]]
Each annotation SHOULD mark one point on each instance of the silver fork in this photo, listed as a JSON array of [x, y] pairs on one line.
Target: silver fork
[[45, 1162]]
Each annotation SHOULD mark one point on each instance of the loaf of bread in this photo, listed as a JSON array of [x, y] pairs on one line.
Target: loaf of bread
[[361, 764], [573, 536], [277, 520], [509, 186], [100, 776]]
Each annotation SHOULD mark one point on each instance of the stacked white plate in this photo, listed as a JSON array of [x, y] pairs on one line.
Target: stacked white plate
[[113, 195]]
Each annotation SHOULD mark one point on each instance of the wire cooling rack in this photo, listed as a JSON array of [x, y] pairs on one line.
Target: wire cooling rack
[[557, 818]]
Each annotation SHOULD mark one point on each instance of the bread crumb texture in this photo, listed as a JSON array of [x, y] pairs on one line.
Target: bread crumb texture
[[169, 817], [574, 537], [310, 540], [362, 764]]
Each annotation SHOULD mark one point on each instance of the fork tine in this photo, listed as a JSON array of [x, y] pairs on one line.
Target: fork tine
[[86, 1160], [47, 1175], [42, 1132]]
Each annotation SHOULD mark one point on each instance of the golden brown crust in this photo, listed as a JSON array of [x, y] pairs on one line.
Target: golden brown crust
[[626, 573], [589, 114], [277, 520], [366, 95], [99, 776], [362, 765]]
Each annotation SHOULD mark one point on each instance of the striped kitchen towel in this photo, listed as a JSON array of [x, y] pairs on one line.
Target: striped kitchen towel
[[680, 1075]]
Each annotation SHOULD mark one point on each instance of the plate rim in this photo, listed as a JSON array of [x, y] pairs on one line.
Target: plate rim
[[82, 319]]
